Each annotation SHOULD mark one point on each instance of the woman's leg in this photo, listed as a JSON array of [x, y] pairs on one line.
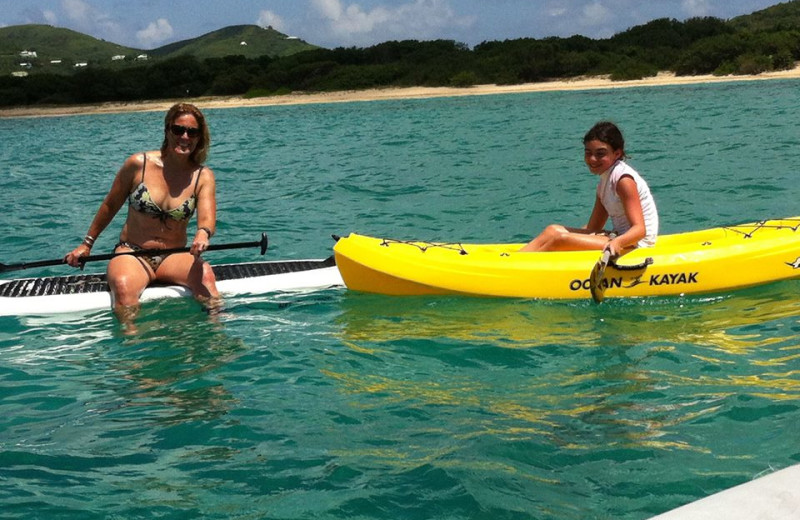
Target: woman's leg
[[194, 273], [127, 278]]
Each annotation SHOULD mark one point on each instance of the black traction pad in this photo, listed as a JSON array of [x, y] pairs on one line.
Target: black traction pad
[[91, 283]]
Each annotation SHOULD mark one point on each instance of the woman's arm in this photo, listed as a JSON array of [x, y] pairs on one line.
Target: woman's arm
[[111, 204], [206, 211]]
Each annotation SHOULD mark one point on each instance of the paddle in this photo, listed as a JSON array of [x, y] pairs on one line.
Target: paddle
[[596, 278], [597, 286], [216, 247]]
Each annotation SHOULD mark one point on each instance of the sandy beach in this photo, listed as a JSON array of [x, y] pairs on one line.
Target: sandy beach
[[588, 83]]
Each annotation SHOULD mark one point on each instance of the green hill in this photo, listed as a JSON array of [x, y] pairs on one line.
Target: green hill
[[250, 41], [782, 17], [59, 50]]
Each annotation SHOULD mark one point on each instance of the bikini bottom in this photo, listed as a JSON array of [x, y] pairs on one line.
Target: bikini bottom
[[152, 260]]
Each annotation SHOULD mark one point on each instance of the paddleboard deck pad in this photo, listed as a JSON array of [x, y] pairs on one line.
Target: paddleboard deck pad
[[83, 292]]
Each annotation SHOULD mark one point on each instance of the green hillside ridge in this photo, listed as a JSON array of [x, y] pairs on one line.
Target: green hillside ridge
[[781, 17], [70, 48], [54, 44], [250, 41]]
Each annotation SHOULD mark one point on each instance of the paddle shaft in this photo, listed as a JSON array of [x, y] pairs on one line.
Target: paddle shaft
[[263, 243]]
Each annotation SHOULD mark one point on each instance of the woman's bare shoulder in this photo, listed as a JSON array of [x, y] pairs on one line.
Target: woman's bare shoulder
[[206, 174], [138, 159], [135, 163]]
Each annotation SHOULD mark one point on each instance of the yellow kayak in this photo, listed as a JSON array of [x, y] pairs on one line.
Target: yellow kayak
[[706, 261]]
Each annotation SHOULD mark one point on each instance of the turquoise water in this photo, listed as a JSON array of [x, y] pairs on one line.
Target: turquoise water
[[340, 405]]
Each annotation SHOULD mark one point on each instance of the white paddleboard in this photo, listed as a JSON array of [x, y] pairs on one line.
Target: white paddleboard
[[86, 292]]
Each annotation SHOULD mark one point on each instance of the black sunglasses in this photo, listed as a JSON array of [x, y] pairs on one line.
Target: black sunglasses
[[179, 130]]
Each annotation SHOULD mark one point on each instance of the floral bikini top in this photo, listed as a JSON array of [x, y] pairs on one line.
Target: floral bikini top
[[140, 200]]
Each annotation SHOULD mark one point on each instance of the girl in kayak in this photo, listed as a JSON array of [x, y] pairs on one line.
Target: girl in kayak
[[622, 194], [173, 177]]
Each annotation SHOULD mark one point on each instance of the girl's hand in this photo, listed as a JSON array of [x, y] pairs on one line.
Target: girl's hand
[[614, 247]]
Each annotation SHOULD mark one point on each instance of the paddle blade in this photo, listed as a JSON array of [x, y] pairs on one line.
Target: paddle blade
[[596, 286]]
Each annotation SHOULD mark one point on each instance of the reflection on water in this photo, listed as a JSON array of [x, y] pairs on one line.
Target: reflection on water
[[348, 398], [625, 375], [733, 323], [94, 409], [169, 364]]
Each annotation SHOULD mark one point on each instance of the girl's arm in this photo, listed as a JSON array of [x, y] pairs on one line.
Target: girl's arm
[[629, 195], [598, 218]]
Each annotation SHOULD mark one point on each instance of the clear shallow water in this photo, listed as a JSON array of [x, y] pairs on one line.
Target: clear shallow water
[[339, 405]]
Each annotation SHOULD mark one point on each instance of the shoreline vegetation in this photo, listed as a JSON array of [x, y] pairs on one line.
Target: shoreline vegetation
[[762, 45], [391, 93]]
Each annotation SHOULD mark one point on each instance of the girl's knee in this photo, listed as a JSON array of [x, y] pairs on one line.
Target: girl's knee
[[555, 232]]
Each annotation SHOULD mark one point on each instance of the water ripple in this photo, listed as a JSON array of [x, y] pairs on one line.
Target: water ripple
[[333, 404]]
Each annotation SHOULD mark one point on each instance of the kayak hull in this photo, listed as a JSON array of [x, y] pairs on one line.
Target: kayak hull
[[705, 261], [87, 292]]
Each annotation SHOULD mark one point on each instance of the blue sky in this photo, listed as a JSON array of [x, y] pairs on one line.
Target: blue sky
[[147, 24]]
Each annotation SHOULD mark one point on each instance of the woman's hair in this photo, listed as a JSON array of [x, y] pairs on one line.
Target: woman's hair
[[200, 152], [608, 133]]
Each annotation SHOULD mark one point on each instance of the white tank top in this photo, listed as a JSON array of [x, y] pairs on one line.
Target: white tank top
[[607, 192]]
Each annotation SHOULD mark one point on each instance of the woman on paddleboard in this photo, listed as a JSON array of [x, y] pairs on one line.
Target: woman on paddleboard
[[163, 189], [622, 194]]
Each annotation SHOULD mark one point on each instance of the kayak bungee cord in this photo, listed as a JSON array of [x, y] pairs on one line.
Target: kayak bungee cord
[[765, 224], [424, 246]]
